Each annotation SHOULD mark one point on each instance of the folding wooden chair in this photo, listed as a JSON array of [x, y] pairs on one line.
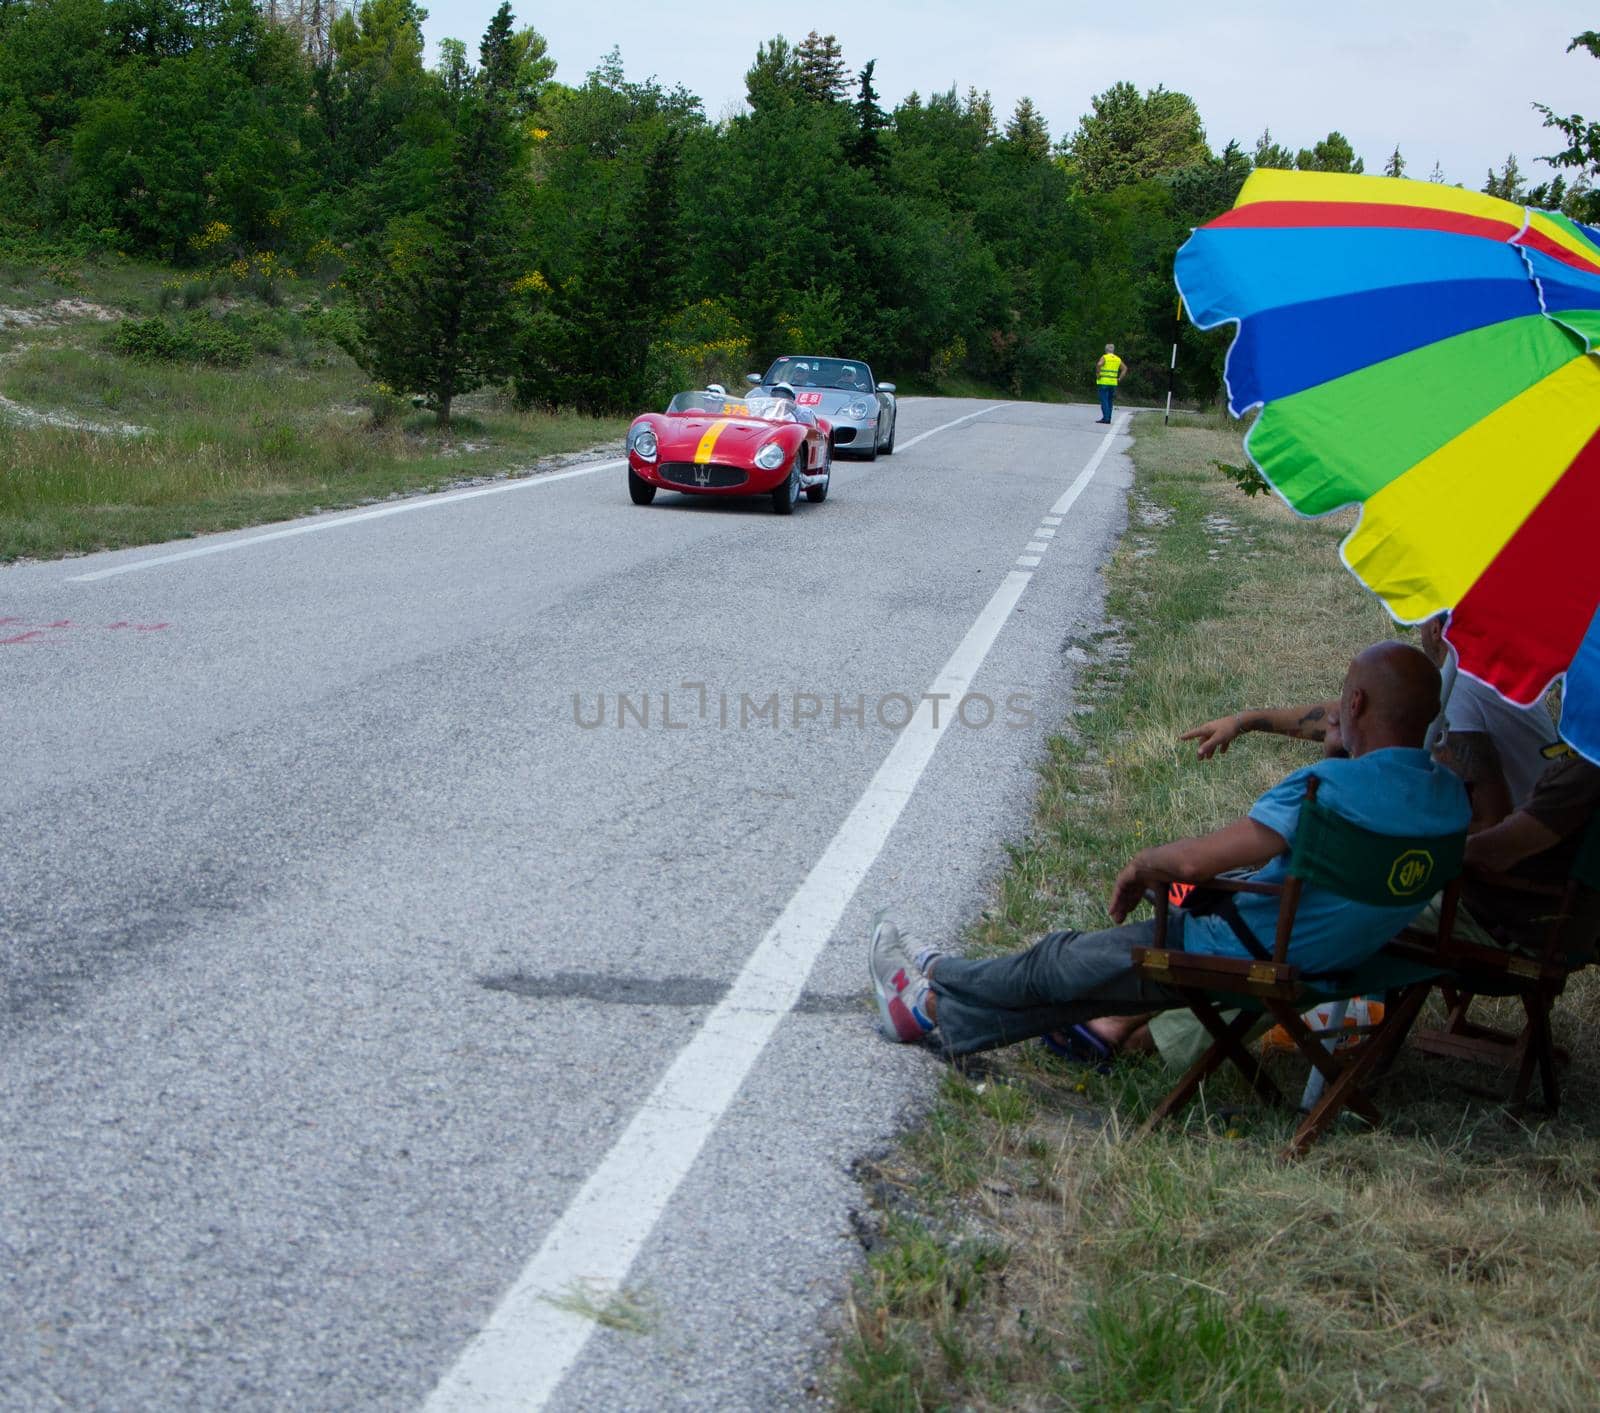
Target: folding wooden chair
[[1357, 864], [1535, 978]]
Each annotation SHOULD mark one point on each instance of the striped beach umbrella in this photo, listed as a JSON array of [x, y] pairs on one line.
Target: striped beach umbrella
[[1423, 352]]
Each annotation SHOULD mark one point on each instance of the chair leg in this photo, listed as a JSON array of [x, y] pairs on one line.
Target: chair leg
[[1367, 1060], [1230, 1037], [1392, 1040], [1526, 1054], [1547, 1057], [1330, 1068], [1227, 1044], [1536, 1050]]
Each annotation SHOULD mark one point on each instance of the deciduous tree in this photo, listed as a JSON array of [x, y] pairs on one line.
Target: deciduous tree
[[1131, 137]]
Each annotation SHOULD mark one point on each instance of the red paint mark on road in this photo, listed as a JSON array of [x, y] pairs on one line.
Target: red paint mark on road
[[66, 624]]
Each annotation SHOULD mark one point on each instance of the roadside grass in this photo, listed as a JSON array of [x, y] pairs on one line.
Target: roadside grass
[[101, 450], [1031, 1252]]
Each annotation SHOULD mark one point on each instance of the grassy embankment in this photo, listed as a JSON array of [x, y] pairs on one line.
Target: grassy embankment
[[250, 413], [1035, 1254]]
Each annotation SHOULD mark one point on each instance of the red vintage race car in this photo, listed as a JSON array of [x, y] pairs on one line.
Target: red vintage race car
[[711, 443]]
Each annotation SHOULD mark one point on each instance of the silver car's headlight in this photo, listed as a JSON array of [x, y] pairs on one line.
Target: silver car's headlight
[[857, 411], [644, 443], [771, 456]]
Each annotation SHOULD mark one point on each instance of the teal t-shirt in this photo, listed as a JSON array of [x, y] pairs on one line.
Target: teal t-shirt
[[1396, 791]]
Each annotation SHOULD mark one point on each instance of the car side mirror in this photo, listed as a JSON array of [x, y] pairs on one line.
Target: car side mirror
[[885, 387], [754, 379]]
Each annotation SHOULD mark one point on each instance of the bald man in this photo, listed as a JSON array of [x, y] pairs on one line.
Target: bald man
[[1388, 783]]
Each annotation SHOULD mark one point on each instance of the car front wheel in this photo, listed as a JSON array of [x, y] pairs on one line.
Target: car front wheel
[[639, 488], [888, 446], [817, 494], [784, 497]]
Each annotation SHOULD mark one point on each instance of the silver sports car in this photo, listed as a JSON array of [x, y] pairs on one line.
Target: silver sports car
[[843, 391]]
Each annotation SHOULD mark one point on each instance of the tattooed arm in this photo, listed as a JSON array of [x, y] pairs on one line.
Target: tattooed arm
[[1303, 723]]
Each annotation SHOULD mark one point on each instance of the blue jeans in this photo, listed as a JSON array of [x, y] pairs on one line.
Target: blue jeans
[[1107, 392], [1064, 979]]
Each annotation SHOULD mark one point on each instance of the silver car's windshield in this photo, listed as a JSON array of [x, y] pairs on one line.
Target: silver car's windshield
[[835, 374], [765, 409]]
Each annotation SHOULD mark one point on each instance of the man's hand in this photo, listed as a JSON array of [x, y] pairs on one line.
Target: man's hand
[[1126, 893], [1242, 844], [1215, 736]]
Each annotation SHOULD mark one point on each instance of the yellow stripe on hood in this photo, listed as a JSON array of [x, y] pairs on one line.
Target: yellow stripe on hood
[[708, 443]]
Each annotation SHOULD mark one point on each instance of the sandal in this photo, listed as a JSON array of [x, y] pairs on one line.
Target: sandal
[[1080, 1045]]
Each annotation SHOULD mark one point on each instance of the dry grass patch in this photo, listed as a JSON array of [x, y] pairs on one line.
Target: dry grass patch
[[1032, 1254], [102, 450]]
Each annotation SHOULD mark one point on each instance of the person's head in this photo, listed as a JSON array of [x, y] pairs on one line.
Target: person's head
[[1431, 637], [1390, 698], [1111, 348], [783, 390]]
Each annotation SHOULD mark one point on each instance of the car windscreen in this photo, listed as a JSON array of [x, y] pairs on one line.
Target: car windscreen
[[835, 373], [764, 409]]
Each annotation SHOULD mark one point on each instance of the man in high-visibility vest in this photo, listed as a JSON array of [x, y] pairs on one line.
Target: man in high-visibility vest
[[1108, 372]]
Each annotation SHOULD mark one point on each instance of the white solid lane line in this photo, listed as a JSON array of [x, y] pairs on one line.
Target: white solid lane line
[[519, 1358], [948, 425], [521, 483], [421, 503], [1076, 489]]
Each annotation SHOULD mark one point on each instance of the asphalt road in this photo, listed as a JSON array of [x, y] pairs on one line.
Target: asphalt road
[[340, 953]]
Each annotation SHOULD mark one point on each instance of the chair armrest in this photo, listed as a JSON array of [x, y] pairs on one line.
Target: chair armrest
[[1234, 976], [1241, 885]]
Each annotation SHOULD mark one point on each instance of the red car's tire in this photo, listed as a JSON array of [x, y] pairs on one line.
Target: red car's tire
[[639, 488], [783, 498], [817, 494]]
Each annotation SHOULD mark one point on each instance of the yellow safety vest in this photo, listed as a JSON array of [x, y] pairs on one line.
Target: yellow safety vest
[[1110, 367]]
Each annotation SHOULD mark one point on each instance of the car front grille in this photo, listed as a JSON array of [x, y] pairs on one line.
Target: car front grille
[[841, 435], [686, 473]]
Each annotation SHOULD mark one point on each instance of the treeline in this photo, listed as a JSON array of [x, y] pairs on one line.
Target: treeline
[[594, 243]]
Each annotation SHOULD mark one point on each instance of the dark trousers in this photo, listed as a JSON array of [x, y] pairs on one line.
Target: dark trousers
[[1107, 392], [1064, 979]]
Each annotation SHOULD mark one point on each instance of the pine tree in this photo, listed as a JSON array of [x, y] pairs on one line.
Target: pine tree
[[1272, 154], [1396, 165], [1332, 154], [773, 81], [864, 148], [1436, 176], [823, 77], [979, 107], [437, 317], [1027, 133], [1507, 183]]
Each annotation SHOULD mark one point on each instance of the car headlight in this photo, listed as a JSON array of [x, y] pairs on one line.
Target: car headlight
[[771, 456], [644, 444], [857, 411]]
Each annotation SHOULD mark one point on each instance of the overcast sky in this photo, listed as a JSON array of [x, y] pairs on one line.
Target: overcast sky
[[1450, 82]]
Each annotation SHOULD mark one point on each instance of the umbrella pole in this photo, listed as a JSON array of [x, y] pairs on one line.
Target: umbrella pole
[[1172, 377]]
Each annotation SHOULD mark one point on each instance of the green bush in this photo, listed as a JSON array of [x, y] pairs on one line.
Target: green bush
[[192, 340]]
